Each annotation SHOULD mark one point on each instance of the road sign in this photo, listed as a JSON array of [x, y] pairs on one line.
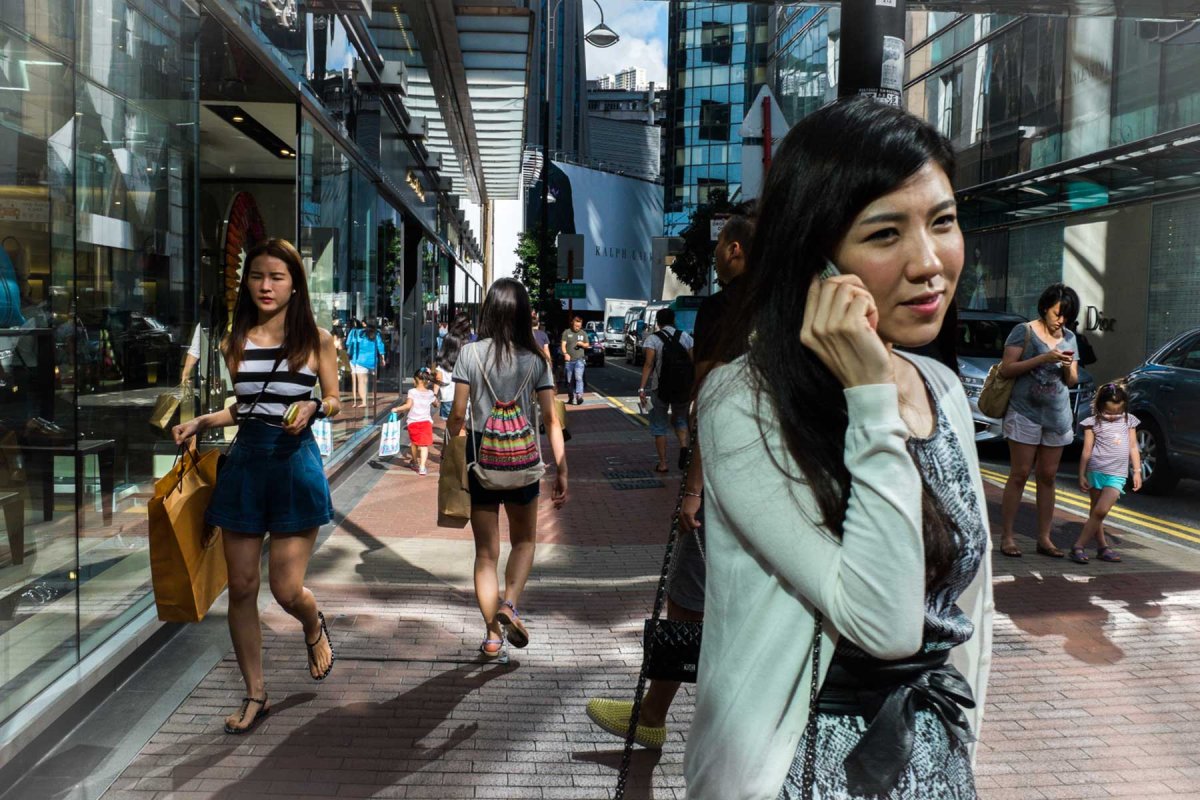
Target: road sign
[[570, 291], [715, 225]]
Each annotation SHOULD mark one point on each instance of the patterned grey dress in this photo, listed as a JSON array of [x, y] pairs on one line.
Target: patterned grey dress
[[940, 768]]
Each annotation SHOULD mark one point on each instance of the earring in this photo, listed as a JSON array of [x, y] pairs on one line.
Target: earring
[[293, 291]]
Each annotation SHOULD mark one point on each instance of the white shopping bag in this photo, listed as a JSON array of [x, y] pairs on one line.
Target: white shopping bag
[[323, 432], [389, 439]]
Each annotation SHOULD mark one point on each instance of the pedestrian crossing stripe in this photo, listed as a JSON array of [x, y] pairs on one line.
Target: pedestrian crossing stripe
[[1174, 529]]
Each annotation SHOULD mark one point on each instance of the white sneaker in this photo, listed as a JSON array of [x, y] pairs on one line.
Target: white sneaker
[[422, 471]]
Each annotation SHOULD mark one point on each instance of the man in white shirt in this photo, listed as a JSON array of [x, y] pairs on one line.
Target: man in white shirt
[[672, 411]]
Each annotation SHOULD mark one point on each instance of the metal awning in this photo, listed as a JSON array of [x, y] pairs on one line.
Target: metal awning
[[467, 69], [1161, 166]]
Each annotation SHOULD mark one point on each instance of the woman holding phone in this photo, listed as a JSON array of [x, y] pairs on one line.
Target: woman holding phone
[[1042, 356], [273, 478], [847, 634]]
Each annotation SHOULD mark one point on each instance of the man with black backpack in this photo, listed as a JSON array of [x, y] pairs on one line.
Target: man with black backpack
[[667, 381]]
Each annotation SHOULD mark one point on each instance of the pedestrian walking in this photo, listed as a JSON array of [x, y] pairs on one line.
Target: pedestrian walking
[[419, 405], [846, 527], [685, 587], [1042, 356], [365, 347], [541, 338], [1109, 447], [667, 381], [575, 344], [503, 381], [273, 479], [452, 344]]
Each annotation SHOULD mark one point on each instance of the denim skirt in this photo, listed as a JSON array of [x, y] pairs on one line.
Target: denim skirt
[[271, 481]]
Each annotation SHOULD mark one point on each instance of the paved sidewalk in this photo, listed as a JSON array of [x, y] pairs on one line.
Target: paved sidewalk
[[1095, 690]]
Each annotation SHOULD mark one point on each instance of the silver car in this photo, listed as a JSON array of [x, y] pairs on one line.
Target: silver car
[[981, 337]]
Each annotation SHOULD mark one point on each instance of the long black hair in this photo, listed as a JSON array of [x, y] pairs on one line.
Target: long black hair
[[505, 320], [458, 333], [831, 165]]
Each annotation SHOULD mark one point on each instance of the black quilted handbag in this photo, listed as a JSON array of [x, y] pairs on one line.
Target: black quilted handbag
[[670, 648]]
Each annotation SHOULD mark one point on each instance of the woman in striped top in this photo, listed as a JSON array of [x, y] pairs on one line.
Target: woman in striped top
[[273, 479]]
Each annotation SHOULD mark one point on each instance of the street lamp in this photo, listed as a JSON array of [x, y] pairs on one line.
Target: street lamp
[[599, 36]]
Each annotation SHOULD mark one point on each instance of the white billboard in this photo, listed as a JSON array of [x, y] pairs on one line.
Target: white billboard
[[618, 217]]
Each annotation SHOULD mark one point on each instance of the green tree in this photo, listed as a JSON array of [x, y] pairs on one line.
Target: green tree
[[693, 264], [529, 272]]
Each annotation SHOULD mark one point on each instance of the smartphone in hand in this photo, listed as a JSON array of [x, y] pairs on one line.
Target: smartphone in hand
[[830, 271]]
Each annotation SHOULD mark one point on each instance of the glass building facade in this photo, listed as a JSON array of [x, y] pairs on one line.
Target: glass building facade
[[716, 62], [1077, 157], [145, 145]]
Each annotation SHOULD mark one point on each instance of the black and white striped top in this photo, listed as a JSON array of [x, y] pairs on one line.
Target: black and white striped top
[[284, 388]]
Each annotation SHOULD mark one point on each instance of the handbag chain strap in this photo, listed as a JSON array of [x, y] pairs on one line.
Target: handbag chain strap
[[809, 774], [659, 600]]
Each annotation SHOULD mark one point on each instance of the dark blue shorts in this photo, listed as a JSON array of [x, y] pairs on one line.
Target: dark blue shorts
[[271, 481]]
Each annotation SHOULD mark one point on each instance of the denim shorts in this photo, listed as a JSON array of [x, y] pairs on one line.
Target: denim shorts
[[664, 414], [271, 481], [1022, 430], [688, 569], [1100, 480]]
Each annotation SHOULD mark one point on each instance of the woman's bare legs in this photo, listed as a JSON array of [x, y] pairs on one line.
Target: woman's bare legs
[[485, 526], [522, 531], [288, 558], [243, 553], [1048, 459], [1021, 458]]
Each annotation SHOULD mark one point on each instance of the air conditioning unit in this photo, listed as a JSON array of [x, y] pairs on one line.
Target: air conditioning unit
[[393, 77], [418, 128]]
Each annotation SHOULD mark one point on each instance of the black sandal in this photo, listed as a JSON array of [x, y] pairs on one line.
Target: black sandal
[[311, 659], [263, 710]]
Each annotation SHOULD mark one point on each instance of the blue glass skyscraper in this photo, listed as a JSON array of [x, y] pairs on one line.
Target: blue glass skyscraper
[[717, 61]]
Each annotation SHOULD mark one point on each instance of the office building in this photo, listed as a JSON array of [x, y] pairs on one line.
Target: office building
[[716, 62], [568, 80]]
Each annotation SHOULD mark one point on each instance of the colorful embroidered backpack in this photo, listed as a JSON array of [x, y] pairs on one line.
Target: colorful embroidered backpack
[[509, 455]]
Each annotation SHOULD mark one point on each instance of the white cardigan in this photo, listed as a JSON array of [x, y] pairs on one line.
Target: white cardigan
[[770, 561]]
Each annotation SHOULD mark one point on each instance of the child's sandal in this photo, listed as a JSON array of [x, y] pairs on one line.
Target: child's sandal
[[1107, 554], [1078, 555]]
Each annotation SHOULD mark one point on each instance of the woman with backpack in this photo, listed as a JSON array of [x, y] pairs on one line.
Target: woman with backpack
[[504, 381]]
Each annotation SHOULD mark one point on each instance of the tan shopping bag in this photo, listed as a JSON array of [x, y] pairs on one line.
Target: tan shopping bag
[[187, 561], [454, 499], [164, 409]]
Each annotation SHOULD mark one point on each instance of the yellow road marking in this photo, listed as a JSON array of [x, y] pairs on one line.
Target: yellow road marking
[[1175, 529], [636, 416]]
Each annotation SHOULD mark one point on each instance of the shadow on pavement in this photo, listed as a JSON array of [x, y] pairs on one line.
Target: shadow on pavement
[[389, 733], [1067, 607], [640, 784]]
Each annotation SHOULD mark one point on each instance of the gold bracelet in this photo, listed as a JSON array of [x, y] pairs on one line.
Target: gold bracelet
[[693, 494]]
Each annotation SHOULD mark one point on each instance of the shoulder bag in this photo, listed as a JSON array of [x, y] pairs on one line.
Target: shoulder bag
[[997, 389]]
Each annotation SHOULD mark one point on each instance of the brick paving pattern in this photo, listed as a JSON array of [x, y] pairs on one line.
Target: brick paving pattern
[[1095, 689]]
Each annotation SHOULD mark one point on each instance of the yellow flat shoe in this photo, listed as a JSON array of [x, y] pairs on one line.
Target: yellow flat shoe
[[613, 717]]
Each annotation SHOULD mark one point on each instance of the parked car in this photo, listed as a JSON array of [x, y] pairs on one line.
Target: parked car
[[595, 354], [636, 333], [1164, 394], [981, 337]]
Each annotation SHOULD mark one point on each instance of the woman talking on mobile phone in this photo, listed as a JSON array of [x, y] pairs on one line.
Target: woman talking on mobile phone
[[273, 479], [1042, 356], [848, 625]]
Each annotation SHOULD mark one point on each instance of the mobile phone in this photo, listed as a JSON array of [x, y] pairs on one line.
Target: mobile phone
[[830, 271], [1067, 352]]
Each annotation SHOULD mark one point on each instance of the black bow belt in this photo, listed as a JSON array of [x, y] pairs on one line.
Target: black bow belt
[[888, 694]]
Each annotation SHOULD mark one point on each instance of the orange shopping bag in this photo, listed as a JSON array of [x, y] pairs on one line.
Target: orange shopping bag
[[187, 561]]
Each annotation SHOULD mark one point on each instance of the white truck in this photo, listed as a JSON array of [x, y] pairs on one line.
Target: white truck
[[614, 323]]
